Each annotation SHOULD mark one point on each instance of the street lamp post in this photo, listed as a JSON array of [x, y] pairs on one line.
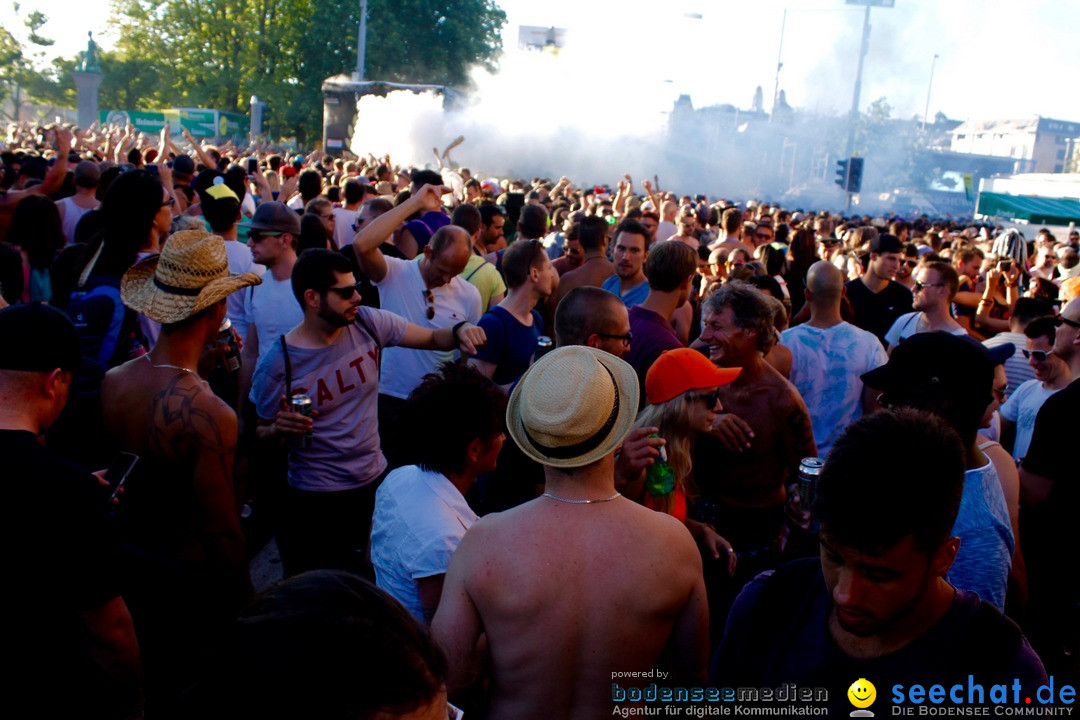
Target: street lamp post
[[361, 40], [929, 86]]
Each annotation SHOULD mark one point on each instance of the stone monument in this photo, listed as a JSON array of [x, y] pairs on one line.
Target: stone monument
[[88, 77]]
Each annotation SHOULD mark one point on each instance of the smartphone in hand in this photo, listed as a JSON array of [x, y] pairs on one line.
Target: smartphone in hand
[[119, 471]]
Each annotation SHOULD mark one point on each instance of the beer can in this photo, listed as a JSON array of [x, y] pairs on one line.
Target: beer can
[[809, 470], [231, 358], [301, 403], [543, 346]]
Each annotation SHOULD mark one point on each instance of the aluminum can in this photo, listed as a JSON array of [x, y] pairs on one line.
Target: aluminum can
[[231, 358], [543, 346], [301, 403], [809, 470]]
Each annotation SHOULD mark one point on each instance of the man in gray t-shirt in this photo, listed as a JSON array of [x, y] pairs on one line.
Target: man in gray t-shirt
[[333, 357]]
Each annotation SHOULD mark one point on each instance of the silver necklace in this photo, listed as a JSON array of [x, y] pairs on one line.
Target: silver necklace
[[164, 366], [582, 502]]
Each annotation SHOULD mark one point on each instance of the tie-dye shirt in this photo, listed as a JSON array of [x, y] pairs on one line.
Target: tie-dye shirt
[[826, 364]]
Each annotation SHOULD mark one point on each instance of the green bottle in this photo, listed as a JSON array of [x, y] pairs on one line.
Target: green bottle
[[659, 477]]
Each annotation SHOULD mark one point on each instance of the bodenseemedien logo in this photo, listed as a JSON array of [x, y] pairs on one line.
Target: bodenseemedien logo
[[862, 694]]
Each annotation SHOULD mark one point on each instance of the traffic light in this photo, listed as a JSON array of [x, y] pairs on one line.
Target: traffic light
[[842, 174], [854, 178]]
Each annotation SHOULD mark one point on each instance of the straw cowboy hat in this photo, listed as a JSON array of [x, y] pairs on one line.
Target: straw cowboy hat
[[191, 273], [574, 406]]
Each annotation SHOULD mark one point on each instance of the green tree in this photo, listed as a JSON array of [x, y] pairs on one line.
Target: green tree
[[217, 53], [20, 79]]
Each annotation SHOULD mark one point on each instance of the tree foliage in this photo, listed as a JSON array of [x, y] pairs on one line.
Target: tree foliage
[[217, 53]]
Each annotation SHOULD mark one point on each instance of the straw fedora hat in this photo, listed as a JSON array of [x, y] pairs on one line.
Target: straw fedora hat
[[191, 273], [574, 406]]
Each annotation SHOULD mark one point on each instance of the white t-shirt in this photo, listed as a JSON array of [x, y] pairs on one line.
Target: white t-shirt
[[343, 222], [272, 309], [402, 292], [419, 520], [913, 323], [826, 365], [665, 230], [1022, 408], [239, 262]]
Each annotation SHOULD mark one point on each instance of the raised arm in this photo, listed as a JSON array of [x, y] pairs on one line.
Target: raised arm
[[55, 177], [204, 158], [367, 241]]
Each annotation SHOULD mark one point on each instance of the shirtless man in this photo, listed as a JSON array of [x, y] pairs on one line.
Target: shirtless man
[[188, 571], [743, 467], [559, 614]]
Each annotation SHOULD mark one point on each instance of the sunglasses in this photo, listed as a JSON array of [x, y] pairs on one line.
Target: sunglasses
[[710, 399], [260, 235], [627, 338], [345, 293], [911, 263], [168, 203], [1039, 355], [1000, 393], [429, 298], [919, 286], [357, 224], [764, 236], [1059, 318]]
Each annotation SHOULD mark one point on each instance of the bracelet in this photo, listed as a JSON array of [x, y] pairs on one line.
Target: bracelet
[[455, 330]]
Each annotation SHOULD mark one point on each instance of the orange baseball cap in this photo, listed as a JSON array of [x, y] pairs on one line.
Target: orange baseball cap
[[677, 371]]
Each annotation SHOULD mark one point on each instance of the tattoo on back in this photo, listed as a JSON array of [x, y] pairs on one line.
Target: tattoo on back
[[179, 427]]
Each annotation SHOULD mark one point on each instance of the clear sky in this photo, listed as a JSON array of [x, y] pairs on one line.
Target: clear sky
[[997, 58]]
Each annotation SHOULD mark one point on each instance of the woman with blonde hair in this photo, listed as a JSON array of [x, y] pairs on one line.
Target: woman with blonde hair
[[682, 392]]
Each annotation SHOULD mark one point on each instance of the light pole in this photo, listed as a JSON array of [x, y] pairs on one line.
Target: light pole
[[926, 112], [779, 64], [361, 40]]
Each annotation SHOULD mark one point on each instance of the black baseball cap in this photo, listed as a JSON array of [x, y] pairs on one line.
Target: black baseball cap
[[37, 338], [939, 364], [886, 243]]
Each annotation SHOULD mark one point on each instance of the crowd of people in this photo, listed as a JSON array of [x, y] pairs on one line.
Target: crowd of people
[[515, 438]]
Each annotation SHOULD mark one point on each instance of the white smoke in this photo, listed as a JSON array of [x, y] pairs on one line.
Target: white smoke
[[536, 116]]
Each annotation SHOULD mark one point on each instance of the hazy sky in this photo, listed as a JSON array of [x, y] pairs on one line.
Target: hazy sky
[[997, 58]]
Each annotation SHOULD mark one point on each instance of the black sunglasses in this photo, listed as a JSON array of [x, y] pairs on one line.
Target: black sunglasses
[[920, 286], [710, 399], [257, 235], [169, 203], [627, 338], [1039, 355], [345, 293], [430, 299], [1059, 318], [911, 263]]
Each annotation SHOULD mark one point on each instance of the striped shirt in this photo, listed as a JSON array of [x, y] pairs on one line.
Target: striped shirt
[[1017, 369]]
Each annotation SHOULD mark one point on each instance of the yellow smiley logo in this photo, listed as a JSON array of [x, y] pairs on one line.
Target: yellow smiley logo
[[862, 693]]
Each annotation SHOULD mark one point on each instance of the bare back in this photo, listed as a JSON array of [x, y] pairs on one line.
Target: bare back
[[180, 500], [571, 594]]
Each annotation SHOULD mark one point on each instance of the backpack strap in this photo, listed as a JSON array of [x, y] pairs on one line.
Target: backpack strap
[[476, 270], [288, 368], [90, 266], [368, 329]]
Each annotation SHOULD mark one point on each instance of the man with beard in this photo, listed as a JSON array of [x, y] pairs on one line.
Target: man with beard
[[333, 357], [877, 604]]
